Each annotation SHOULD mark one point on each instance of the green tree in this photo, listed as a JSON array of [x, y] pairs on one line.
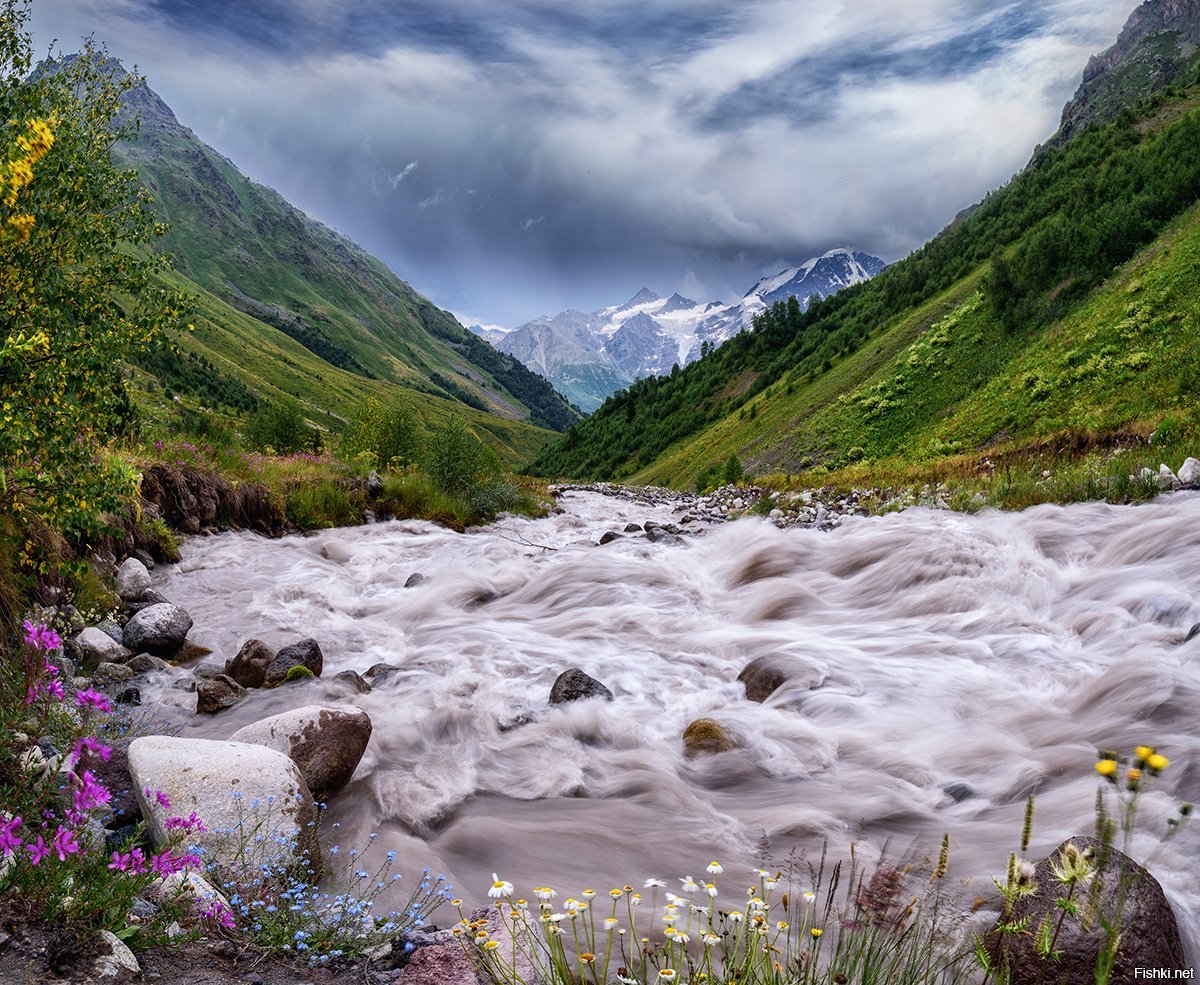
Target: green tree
[[78, 287], [388, 433], [282, 428], [732, 472], [457, 461]]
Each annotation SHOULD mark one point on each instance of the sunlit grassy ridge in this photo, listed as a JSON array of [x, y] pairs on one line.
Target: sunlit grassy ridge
[[1063, 305]]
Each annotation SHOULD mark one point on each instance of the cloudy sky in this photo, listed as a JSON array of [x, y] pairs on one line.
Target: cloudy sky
[[511, 158]]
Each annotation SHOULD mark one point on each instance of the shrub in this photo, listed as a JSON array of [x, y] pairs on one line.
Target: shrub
[[387, 434]]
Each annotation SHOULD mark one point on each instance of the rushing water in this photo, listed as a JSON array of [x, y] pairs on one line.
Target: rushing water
[[996, 651]]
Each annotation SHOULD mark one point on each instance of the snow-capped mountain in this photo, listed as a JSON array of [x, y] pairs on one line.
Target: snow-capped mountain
[[590, 356]]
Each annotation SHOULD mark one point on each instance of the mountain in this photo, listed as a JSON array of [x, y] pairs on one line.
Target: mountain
[[591, 356], [1156, 48], [288, 307], [1060, 312]]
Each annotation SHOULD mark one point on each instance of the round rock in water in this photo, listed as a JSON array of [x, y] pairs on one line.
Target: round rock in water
[[326, 743], [575, 685], [249, 667], [706, 736], [216, 693], [306, 653], [238, 790], [132, 579], [159, 629]]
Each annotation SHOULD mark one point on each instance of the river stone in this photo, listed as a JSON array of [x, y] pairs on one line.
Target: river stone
[[1166, 478], [438, 964], [113, 958], [145, 663], [113, 672], [763, 675], [1192, 633], [633, 528], [415, 579], [159, 629], [336, 550], [96, 647], [610, 536], [238, 790], [112, 629], [574, 685], [306, 653], [1189, 472], [249, 667], [132, 579], [1149, 933], [216, 693], [706, 736], [326, 743], [352, 680]]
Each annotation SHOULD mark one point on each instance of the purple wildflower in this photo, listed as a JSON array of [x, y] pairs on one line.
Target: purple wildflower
[[38, 850], [92, 793], [91, 744], [65, 843], [163, 800], [9, 842], [90, 698]]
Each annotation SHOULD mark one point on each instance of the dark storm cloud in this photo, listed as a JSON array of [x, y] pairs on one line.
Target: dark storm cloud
[[512, 159]]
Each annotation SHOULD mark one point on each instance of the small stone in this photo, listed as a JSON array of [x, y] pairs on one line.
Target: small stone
[[959, 791], [1189, 472], [114, 957], [145, 663], [633, 528], [1192, 633], [353, 680], [381, 673], [96, 647], [610, 536], [118, 673], [706, 736], [575, 685], [1166, 478], [415, 579], [112, 629], [159, 629], [132, 579], [217, 693]]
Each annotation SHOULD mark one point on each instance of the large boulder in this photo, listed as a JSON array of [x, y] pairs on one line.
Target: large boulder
[[97, 647], [249, 667], [216, 693], [575, 685], [132, 579], [1189, 472], [326, 743], [306, 654], [239, 791], [1149, 933], [706, 736], [159, 629]]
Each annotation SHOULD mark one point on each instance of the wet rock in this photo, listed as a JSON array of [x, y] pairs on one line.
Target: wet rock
[[159, 629], [415, 579], [189, 525], [249, 666], [145, 663], [144, 557], [517, 721], [1167, 479], [132, 579], [306, 654], [336, 551], [326, 743], [221, 782], [206, 672], [216, 693], [1192, 633], [762, 676], [706, 736], [633, 528], [353, 681], [1149, 932], [575, 685], [381, 673], [96, 647], [445, 963], [959, 791], [660, 535], [609, 536]]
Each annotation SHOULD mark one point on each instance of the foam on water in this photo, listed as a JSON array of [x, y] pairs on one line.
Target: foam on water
[[996, 652]]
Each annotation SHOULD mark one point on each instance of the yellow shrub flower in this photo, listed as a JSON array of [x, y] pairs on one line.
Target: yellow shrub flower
[[1144, 752], [1157, 763], [1107, 768]]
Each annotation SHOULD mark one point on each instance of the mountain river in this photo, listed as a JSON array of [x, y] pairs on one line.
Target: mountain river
[[952, 665]]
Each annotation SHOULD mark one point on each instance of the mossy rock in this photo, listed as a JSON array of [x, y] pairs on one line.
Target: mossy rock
[[706, 736], [297, 673]]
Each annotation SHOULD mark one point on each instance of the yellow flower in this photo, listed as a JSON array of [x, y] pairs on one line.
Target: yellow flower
[[1132, 778], [1144, 752], [587, 957], [1157, 763], [816, 932], [1107, 768]]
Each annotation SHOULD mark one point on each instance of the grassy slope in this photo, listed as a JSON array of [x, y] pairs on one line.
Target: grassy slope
[[946, 377], [288, 305]]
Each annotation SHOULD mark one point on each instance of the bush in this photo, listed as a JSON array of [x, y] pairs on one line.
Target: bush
[[457, 462], [387, 434], [282, 428]]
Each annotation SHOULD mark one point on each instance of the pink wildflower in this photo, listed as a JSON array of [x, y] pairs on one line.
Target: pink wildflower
[[9, 842], [65, 843], [92, 793], [38, 850], [92, 745], [89, 698]]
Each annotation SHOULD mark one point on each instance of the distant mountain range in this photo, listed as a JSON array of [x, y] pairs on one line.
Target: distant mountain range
[[589, 356]]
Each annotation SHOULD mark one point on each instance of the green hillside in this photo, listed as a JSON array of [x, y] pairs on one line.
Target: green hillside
[[290, 307], [1063, 303]]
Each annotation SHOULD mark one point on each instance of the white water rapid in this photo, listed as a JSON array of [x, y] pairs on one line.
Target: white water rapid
[[997, 652]]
